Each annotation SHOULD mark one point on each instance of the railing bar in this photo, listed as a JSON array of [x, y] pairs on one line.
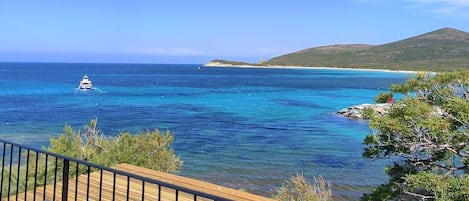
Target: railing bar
[[159, 192], [55, 177], [27, 172], [9, 175], [100, 184], [128, 188], [168, 185], [3, 166], [18, 173], [76, 182], [177, 194], [65, 173], [35, 176], [88, 183], [195, 197], [45, 177], [143, 190], [114, 187], [120, 172]]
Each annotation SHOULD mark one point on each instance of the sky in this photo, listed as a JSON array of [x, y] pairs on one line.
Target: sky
[[196, 31]]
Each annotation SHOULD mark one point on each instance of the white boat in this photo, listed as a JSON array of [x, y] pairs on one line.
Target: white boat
[[85, 83]]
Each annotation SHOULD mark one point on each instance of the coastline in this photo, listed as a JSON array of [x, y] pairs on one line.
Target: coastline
[[216, 64]]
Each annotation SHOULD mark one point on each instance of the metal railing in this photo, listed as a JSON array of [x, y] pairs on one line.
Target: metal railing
[[32, 174]]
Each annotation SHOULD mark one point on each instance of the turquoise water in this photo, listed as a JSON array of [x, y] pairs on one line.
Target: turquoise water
[[238, 127]]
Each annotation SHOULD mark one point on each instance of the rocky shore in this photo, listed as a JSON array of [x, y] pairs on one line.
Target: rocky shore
[[355, 111]]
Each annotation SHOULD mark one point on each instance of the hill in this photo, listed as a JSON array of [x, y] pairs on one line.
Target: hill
[[220, 62], [439, 50]]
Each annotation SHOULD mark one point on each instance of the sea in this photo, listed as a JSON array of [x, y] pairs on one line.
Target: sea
[[245, 128]]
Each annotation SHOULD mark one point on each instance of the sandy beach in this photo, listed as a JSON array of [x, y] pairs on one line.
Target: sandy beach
[[216, 64]]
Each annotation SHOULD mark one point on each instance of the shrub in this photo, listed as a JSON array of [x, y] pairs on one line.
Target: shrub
[[383, 97], [149, 149], [298, 189]]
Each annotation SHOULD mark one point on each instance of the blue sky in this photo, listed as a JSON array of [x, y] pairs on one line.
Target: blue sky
[[195, 31]]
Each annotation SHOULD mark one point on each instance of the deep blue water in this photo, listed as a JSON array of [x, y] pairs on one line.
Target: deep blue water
[[238, 127]]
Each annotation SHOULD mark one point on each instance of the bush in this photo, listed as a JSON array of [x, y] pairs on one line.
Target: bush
[[298, 189], [149, 149], [383, 97], [431, 186]]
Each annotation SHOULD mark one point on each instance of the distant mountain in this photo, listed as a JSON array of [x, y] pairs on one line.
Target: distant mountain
[[443, 49]]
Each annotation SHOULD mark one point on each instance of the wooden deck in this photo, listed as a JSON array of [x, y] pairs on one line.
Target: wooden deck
[[135, 188]]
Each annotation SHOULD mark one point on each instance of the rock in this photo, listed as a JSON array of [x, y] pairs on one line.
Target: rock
[[355, 111]]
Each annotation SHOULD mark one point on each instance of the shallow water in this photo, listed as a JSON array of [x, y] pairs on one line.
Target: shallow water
[[244, 128]]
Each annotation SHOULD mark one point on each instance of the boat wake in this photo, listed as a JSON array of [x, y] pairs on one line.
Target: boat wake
[[92, 90]]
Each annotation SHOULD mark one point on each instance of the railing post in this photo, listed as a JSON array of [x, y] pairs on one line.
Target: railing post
[[66, 175], [3, 166], [65, 179]]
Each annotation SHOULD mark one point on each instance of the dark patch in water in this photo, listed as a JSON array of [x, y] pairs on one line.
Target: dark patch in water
[[296, 103]]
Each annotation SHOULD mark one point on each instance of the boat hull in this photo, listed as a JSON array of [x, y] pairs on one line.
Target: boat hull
[[85, 83]]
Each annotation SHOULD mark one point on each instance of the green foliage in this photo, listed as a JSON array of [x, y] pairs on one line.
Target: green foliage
[[427, 132], [383, 97], [149, 149], [438, 187], [298, 189], [368, 112]]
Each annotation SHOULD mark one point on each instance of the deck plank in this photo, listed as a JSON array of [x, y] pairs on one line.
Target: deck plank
[[135, 190], [194, 184]]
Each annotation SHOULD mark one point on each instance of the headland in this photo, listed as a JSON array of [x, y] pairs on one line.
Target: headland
[[444, 49]]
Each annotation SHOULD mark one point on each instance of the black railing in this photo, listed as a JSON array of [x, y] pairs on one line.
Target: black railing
[[32, 174]]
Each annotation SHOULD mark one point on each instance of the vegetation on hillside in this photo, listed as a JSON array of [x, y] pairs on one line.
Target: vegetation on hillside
[[440, 50], [233, 63], [427, 135]]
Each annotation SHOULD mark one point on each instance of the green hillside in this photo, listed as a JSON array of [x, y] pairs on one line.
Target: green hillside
[[443, 49], [438, 50]]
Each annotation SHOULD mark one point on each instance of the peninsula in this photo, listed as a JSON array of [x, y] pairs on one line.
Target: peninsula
[[440, 50]]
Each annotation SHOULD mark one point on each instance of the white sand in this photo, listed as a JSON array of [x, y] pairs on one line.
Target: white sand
[[216, 64]]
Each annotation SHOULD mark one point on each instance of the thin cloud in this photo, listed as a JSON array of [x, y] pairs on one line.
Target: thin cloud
[[164, 51], [451, 3], [448, 7], [260, 52], [453, 8]]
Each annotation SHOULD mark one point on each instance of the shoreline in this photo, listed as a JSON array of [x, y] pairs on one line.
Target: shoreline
[[308, 67]]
